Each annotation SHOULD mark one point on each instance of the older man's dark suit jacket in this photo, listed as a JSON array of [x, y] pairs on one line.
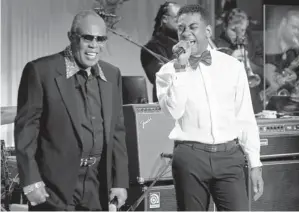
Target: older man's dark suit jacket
[[47, 132]]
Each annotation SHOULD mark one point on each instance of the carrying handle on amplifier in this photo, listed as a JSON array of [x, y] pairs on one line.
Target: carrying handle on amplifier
[[139, 200]]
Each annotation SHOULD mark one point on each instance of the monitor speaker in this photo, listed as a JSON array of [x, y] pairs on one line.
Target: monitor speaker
[[281, 187]]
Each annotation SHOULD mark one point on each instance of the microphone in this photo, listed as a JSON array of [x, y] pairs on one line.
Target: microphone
[[178, 52], [180, 48]]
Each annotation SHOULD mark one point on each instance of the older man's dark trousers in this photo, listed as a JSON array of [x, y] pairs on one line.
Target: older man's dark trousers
[[86, 195], [199, 173]]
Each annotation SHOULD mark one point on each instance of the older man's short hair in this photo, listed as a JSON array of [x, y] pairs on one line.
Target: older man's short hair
[[81, 15]]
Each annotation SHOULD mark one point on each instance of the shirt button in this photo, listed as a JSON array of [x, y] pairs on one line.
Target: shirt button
[[93, 117]]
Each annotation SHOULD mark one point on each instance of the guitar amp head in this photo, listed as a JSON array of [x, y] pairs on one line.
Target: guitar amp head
[[279, 137]]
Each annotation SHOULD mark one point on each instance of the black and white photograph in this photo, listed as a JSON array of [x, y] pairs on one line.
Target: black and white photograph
[[149, 105]]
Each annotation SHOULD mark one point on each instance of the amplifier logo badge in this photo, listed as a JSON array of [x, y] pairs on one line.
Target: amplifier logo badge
[[143, 123], [264, 142], [154, 200]]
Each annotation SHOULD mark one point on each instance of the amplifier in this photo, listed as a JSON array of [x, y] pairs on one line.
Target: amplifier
[[279, 137], [158, 198], [147, 130], [281, 187]]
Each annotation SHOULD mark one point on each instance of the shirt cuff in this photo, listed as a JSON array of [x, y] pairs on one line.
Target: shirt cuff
[[32, 187], [254, 161]]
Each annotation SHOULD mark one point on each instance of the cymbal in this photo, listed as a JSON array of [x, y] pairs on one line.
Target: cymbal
[[8, 114]]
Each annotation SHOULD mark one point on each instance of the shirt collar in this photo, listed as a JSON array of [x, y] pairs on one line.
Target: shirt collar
[[72, 68], [209, 47]]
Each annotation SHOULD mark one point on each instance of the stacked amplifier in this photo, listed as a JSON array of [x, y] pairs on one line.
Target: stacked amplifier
[[279, 137], [279, 140], [147, 130]]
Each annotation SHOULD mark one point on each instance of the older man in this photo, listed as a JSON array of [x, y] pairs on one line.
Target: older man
[[69, 130]]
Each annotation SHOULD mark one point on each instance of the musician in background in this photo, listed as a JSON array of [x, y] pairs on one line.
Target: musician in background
[[282, 51], [163, 39], [221, 9], [236, 24]]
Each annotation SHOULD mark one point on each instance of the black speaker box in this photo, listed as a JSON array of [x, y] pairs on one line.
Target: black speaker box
[[281, 187]]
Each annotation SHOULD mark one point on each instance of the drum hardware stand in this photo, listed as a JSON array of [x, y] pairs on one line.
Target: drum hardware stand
[[5, 196], [141, 198], [7, 181]]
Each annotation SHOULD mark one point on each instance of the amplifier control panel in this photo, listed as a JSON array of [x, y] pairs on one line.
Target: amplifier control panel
[[278, 126], [153, 109], [145, 108]]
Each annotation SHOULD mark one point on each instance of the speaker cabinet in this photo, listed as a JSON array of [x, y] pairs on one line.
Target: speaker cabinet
[[281, 187], [147, 130], [158, 198]]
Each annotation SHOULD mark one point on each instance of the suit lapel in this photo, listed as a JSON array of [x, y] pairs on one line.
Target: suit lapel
[[106, 99], [67, 91]]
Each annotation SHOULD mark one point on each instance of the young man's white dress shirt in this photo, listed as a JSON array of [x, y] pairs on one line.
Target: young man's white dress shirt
[[211, 104]]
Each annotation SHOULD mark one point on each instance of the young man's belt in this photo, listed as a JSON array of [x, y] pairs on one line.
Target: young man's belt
[[210, 147]]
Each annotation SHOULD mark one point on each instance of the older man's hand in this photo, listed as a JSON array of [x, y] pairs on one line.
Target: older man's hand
[[37, 196]]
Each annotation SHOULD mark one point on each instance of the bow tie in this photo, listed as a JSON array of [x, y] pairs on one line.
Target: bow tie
[[205, 58]]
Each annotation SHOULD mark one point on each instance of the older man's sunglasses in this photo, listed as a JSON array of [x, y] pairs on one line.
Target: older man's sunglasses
[[90, 38]]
